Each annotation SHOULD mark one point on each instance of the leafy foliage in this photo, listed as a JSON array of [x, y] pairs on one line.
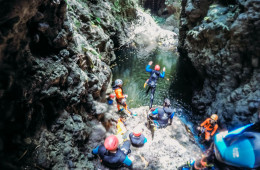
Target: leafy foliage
[[193, 33], [117, 6], [223, 26], [76, 23]]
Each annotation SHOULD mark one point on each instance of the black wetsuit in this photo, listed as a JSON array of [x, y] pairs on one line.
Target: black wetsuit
[[152, 82]]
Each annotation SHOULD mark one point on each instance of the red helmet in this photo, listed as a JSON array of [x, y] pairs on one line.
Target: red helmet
[[137, 131], [157, 67], [111, 143], [112, 96]]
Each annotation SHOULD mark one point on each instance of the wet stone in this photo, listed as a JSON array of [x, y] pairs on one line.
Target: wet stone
[[77, 118]]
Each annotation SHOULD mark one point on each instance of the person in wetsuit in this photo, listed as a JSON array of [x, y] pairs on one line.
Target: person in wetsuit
[[209, 126], [120, 96], [136, 137], [161, 116], [152, 81], [111, 156]]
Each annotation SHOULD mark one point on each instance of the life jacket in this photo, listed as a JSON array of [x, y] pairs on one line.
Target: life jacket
[[154, 76], [119, 93], [121, 129], [164, 115], [208, 125], [137, 141], [109, 159]]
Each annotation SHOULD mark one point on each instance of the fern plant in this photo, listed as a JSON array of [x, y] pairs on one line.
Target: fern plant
[[223, 26], [193, 33]]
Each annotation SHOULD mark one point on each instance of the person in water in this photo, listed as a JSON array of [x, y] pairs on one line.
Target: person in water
[[120, 96], [152, 81]]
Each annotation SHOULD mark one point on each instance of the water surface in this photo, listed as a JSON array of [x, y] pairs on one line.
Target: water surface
[[131, 70]]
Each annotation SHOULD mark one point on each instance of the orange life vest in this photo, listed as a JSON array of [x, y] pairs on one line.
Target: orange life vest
[[209, 126], [119, 93]]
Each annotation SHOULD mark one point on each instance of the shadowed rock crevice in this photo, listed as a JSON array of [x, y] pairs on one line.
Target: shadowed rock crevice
[[220, 42], [53, 62]]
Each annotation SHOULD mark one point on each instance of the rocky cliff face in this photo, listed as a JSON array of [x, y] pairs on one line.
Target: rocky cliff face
[[221, 39], [54, 60], [167, 10]]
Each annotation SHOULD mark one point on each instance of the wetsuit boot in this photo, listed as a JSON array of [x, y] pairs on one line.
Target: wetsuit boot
[[127, 110]]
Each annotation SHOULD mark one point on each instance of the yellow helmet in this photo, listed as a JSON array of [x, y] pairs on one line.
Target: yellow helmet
[[214, 117]]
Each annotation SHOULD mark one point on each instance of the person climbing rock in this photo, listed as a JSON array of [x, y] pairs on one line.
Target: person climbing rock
[[161, 116], [209, 126], [120, 97], [152, 81], [137, 139], [111, 156]]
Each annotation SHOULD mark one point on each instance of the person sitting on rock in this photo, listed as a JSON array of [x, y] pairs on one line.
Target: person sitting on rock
[[112, 156], [110, 99], [152, 81], [120, 97], [137, 138], [161, 116], [209, 126]]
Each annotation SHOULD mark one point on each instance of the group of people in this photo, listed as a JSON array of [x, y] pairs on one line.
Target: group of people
[[114, 156], [111, 154], [151, 82]]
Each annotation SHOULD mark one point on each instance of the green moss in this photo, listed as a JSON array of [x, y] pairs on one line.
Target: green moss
[[207, 19], [76, 23], [213, 6], [98, 20]]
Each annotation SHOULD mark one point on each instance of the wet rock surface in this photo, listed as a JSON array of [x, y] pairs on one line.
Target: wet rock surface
[[54, 60], [171, 147], [165, 12], [141, 31], [220, 39]]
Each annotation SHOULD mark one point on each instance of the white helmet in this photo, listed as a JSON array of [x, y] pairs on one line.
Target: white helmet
[[118, 82]]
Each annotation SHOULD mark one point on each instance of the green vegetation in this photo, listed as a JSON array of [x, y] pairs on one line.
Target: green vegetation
[[117, 6], [68, 5], [91, 50], [76, 23], [213, 6], [207, 19], [223, 26], [193, 33]]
